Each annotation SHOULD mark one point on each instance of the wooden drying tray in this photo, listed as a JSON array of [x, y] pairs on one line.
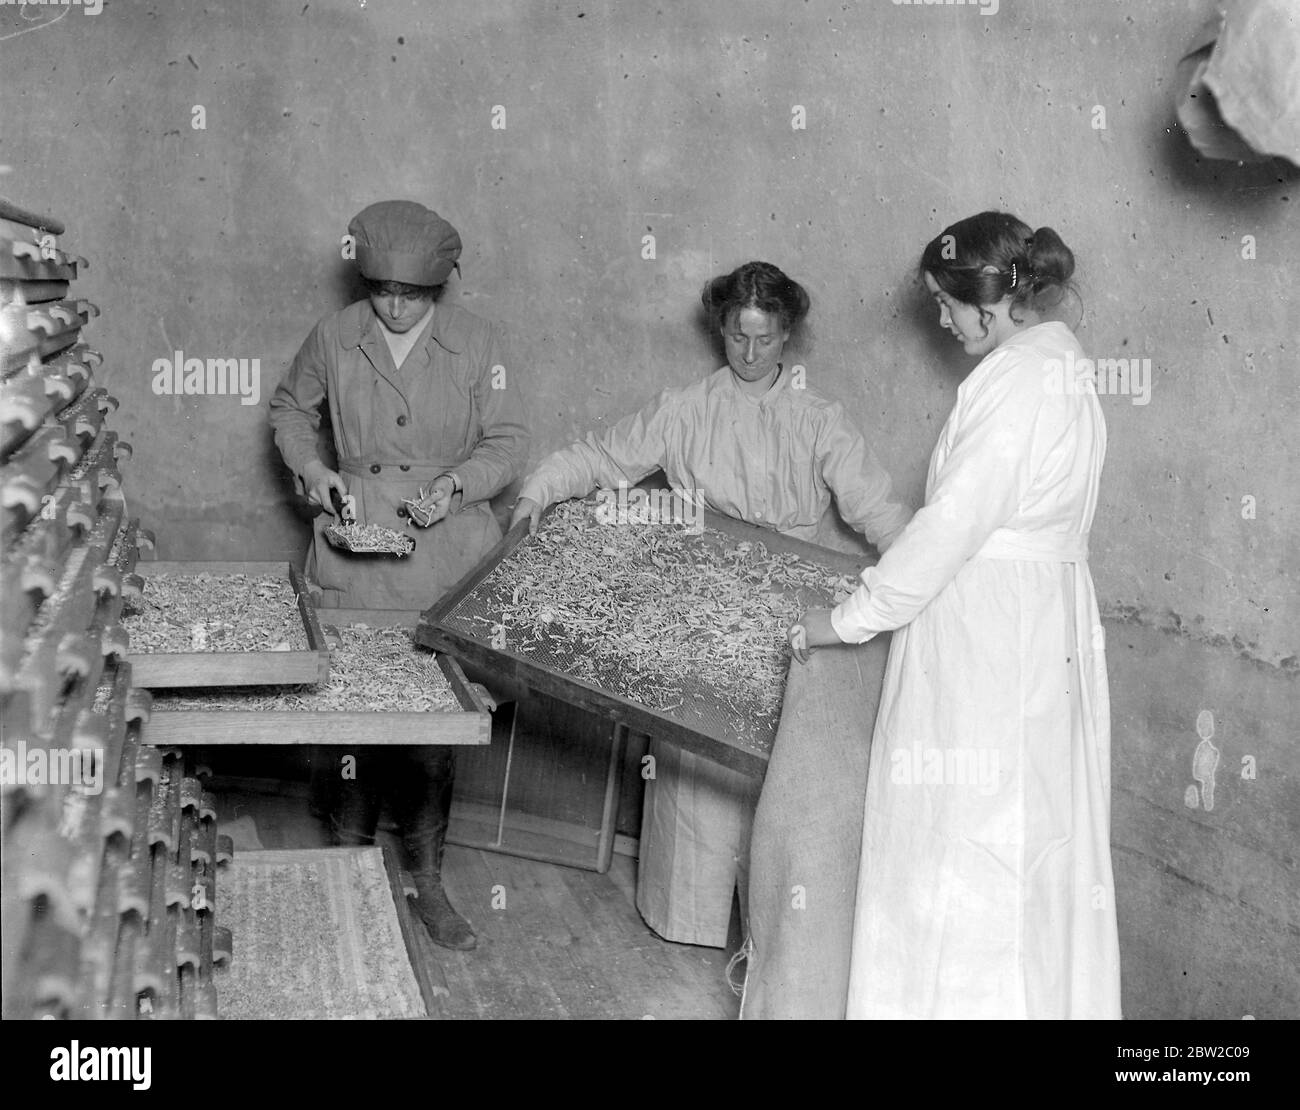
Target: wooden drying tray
[[41, 330], [718, 745], [160, 670], [13, 212], [472, 725]]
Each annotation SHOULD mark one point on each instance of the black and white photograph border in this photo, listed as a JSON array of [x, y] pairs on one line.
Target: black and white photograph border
[[823, 477]]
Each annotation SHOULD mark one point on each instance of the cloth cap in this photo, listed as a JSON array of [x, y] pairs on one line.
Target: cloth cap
[[400, 240]]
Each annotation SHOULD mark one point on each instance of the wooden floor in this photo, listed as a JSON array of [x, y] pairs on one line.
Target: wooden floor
[[554, 942]]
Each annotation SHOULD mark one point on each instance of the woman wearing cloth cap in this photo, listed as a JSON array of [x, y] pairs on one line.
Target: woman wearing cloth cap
[[755, 444], [985, 886], [420, 396]]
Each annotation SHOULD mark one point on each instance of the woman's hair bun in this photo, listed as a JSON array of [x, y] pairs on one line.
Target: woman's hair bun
[[985, 257], [1050, 261]]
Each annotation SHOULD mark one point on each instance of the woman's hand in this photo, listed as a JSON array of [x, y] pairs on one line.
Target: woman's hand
[[434, 503], [317, 480], [812, 630], [527, 508]]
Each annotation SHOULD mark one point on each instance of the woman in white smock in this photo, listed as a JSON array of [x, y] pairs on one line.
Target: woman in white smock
[[985, 887]]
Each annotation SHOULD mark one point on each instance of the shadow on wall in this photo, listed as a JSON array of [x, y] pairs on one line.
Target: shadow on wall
[[1246, 185]]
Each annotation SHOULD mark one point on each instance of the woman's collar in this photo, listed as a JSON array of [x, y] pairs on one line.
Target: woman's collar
[[776, 389]]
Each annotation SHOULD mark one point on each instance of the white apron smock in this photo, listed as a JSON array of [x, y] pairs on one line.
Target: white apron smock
[[985, 887]]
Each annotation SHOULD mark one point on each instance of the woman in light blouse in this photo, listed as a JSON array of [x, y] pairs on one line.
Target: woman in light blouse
[[752, 441]]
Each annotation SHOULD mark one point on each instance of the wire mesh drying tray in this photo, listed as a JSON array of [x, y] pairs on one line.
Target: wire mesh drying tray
[[702, 715]]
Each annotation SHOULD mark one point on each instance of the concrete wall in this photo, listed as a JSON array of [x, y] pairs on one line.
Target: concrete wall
[[624, 119]]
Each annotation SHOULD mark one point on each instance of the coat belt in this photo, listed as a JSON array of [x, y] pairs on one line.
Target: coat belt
[[424, 471], [1035, 547]]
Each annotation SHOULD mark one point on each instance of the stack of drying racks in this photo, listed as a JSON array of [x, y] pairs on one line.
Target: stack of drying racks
[[110, 846]]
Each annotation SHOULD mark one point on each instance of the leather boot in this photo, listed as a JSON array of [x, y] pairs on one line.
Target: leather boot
[[420, 801], [445, 925], [354, 814]]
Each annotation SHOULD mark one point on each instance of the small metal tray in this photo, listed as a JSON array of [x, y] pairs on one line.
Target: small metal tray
[[337, 535]]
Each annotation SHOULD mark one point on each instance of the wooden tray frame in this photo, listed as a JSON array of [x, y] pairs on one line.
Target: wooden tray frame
[[163, 670], [214, 727], [719, 747]]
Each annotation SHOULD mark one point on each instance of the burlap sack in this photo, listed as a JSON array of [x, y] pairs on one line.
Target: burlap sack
[[807, 836]]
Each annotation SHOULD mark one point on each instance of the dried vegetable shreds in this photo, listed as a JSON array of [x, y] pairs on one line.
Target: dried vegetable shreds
[[418, 512], [691, 625], [216, 612], [119, 542], [374, 670], [372, 538], [125, 546], [93, 457], [103, 697]]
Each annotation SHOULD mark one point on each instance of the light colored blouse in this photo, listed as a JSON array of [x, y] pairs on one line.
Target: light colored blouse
[[774, 460]]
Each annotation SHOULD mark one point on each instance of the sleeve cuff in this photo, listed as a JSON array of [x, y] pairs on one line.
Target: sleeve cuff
[[534, 488], [847, 628], [299, 468], [467, 475]]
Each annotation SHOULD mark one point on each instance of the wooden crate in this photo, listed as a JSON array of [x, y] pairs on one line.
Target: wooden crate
[[472, 725], [161, 670]]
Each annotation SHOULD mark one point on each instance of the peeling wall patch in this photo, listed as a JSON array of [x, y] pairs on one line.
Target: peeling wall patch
[[1204, 761]]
